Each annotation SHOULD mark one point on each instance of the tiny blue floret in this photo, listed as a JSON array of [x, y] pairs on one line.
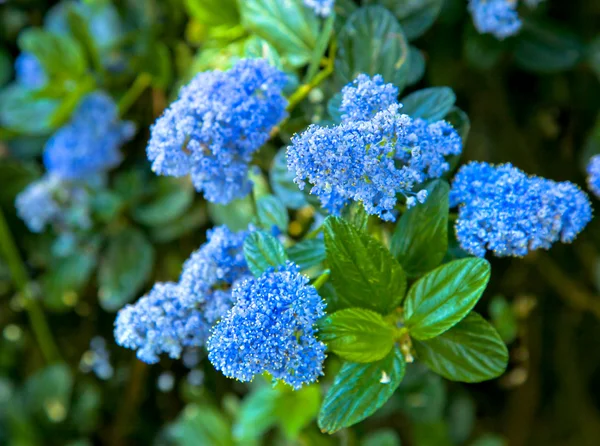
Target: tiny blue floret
[[497, 17], [502, 209], [219, 120], [593, 180], [271, 329], [90, 142], [29, 71]]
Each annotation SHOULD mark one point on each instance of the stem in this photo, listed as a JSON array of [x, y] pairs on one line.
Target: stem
[[39, 325], [320, 281], [142, 82], [302, 92]]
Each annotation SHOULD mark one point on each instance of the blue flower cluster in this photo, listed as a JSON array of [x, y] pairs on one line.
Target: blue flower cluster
[[323, 8], [497, 17], [90, 142], [51, 201], [374, 154], [29, 71], [504, 210], [174, 316], [593, 180], [219, 120], [271, 329], [97, 359]]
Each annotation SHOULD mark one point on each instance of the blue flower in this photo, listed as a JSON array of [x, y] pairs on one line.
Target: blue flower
[[364, 97], [497, 17], [373, 155], [219, 120], [29, 71], [271, 329], [51, 201], [90, 142], [160, 323], [504, 210], [321, 7], [593, 180], [218, 264]]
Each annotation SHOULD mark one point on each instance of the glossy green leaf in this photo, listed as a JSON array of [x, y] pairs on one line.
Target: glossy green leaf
[[296, 409], [356, 215], [363, 271], [358, 390], [124, 269], [214, 12], [420, 240], [545, 48], [471, 351], [357, 335], [431, 103], [307, 253], [444, 296], [201, 425], [416, 16], [282, 183], [171, 199], [262, 251], [289, 26], [372, 42], [416, 64], [257, 48], [258, 413], [236, 215], [271, 212]]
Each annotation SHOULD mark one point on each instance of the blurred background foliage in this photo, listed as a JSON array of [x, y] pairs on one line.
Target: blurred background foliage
[[532, 100]]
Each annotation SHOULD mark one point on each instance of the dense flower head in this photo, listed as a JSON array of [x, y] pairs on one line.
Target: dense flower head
[[89, 143], [593, 180], [29, 71], [504, 210], [51, 201], [373, 155], [218, 264], [323, 8], [212, 130], [160, 323], [497, 17], [271, 329]]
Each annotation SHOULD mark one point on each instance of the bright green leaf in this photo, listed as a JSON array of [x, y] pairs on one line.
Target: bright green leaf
[[372, 42], [471, 351], [282, 182], [257, 414], [420, 240], [236, 215], [214, 12], [431, 103], [363, 271], [416, 16], [358, 390], [201, 425], [124, 269], [262, 251], [271, 212], [416, 64], [297, 408], [443, 297], [357, 335], [307, 253]]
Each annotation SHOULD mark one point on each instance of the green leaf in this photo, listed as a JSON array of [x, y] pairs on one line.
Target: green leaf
[[357, 335], [271, 212], [416, 64], [416, 16], [358, 390], [172, 198], [257, 48], [431, 103], [307, 253], [471, 351], [296, 409], [201, 425], [16, 176], [262, 251], [504, 318], [23, 112], [47, 392], [236, 215], [460, 121], [357, 216], [333, 107], [420, 240], [545, 48], [6, 68], [372, 42], [214, 12], [193, 219], [363, 271], [282, 183], [124, 269], [443, 297], [257, 414], [382, 437], [289, 26]]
